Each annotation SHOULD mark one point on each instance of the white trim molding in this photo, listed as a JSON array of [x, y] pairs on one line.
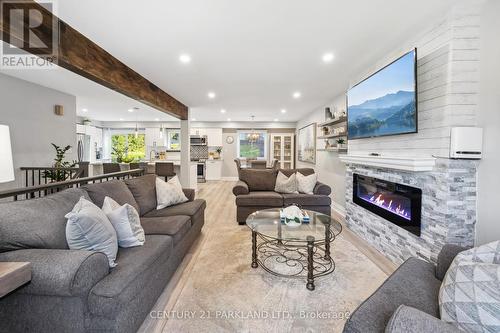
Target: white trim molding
[[338, 209], [406, 163]]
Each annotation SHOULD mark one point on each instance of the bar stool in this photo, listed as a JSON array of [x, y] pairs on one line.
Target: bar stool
[[164, 169], [110, 168]]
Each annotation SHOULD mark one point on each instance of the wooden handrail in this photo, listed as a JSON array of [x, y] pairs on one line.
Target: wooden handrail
[[48, 168], [45, 188]]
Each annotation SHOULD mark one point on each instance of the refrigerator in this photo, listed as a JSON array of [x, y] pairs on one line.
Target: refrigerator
[[83, 147]]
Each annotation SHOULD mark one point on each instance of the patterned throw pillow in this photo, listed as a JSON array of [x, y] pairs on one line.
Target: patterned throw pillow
[[470, 293], [126, 221], [286, 184], [306, 184], [169, 193]]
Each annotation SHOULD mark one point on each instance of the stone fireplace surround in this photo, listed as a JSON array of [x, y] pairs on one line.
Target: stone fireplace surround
[[448, 209]]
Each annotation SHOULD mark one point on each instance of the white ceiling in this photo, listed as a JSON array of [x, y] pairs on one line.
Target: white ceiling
[[253, 54]]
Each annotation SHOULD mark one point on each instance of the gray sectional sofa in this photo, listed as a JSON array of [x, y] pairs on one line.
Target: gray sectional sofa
[[255, 191], [407, 302], [76, 291]]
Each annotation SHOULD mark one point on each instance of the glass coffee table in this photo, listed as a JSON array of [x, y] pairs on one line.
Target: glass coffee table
[[301, 251]]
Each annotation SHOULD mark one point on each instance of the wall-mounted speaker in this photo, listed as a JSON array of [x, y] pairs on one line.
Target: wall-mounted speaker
[[466, 143], [59, 110]]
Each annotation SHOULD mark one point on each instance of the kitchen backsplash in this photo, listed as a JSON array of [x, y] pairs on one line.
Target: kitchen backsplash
[[199, 152]]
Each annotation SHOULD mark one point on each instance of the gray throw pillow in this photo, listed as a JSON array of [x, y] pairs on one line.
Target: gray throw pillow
[[286, 184], [89, 229]]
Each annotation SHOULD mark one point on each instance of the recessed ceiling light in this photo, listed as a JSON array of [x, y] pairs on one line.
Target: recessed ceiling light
[[121, 119], [283, 111], [275, 119], [328, 57], [211, 95], [157, 119], [222, 111], [84, 110], [228, 119], [130, 110], [193, 119], [296, 94], [185, 58]]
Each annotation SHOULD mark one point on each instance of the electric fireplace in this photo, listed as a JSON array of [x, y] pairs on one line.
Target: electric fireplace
[[397, 203]]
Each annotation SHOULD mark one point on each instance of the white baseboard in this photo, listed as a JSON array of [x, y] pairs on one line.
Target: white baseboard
[[338, 209], [230, 179]]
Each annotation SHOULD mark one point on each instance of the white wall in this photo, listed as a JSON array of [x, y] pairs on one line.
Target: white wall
[[448, 89], [447, 85], [28, 109], [329, 168], [488, 224]]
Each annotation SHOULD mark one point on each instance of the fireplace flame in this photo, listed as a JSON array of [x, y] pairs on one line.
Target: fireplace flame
[[380, 201]]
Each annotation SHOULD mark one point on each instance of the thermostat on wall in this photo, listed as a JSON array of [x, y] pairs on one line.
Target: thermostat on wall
[[466, 142]]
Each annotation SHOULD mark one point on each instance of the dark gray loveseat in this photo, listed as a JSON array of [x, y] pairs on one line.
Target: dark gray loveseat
[[407, 302], [75, 291], [255, 191]]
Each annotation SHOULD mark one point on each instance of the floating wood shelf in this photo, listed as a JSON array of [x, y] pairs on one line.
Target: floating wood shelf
[[333, 122], [332, 136], [336, 150]]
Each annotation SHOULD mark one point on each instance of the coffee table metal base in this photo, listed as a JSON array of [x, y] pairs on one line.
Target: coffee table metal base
[[297, 259]]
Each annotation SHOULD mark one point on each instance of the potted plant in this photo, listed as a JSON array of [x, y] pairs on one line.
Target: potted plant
[[58, 174], [341, 143], [87, 121], [219, 151]]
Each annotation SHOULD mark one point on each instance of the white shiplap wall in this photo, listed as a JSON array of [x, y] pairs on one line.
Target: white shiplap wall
[[447, 84]]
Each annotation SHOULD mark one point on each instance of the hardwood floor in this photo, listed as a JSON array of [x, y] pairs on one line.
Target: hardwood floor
[[221, 207]]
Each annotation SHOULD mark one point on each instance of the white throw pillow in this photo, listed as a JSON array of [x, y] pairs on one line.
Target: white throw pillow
[[89, 229], [169, 193], [286, 184], [469, 296], [126, 222], [306, 184]]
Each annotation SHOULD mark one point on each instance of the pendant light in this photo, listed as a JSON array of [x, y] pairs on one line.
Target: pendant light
[[161, 131], [253, 137], [136, 123]]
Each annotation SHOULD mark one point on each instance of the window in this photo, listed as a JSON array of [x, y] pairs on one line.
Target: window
[[173, 139], [127, 148], [252, 150]]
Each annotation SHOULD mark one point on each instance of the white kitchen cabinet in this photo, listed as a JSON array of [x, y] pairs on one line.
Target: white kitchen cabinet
[[153, 138], [214, 170], [80, 129], [198, 131], [282, 149], [214, 137]]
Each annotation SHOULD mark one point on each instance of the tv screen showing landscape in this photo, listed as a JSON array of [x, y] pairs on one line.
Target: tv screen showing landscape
[[385, 103]]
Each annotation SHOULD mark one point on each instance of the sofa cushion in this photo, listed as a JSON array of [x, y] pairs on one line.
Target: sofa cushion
[[410, 320], [306, 199], [412, 284], [304, 171], [260, 198], [190, 208], [37, 223], [286, 184], [144, 191], [175, 226], [115, 189], [126, 280], [60, 272], [259, 179], [88, 228]]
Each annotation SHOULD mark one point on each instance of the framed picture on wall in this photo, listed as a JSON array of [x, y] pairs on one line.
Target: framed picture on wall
[[307, 144]]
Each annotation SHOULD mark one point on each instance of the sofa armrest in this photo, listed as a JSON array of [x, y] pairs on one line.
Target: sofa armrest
[[322, 189], [60, 272], [240, 188], [189, 193], [410, 320], [445, 257]]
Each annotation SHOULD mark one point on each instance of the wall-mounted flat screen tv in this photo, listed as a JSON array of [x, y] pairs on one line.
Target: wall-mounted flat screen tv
[[386, 102]]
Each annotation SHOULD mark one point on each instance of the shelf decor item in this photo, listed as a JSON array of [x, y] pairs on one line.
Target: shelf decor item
[[307, 144], [328, 114]]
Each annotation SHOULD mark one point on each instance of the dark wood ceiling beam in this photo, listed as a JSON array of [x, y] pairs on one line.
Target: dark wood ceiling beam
[[82, 56]]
